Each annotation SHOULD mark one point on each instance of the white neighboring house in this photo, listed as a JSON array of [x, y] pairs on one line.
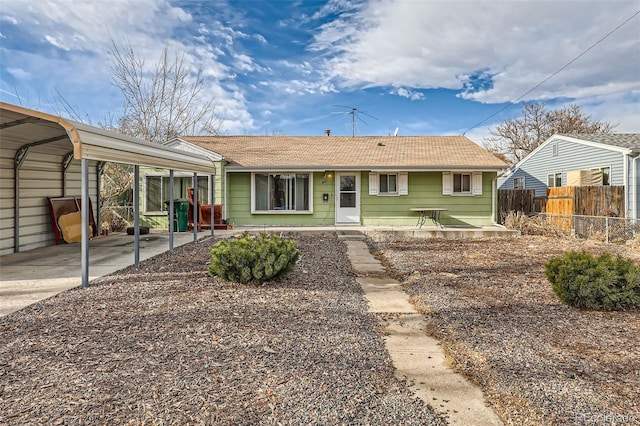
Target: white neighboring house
[[615, 155]]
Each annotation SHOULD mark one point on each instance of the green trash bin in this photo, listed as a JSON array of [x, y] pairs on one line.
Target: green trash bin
[[180, 214], [181, 206]]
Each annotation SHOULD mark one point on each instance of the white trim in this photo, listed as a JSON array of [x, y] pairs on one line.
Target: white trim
[[554, 180], [358, 206], [183, 145], [447, 183], [403, 183], [373, 183], [476, 183]]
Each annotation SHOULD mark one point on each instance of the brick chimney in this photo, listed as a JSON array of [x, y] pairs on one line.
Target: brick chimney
[[327, 132]]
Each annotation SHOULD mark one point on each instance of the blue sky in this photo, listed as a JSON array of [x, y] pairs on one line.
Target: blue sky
[[282, 67]]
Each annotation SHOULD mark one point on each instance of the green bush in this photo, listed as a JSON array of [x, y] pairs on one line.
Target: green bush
[[602, 283], [253, 258]]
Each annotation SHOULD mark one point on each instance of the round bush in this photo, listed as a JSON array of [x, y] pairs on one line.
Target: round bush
[[256, 259], [601, 283]]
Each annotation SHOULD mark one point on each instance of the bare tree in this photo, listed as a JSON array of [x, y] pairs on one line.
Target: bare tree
[[160, 102], [164, 101], [514, 139]]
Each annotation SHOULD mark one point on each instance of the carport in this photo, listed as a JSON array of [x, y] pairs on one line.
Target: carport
[[43, 155]]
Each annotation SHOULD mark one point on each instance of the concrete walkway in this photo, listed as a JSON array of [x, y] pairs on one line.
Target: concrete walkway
[[417, 357]]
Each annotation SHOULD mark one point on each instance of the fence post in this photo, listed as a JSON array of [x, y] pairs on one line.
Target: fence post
[[606, 229]]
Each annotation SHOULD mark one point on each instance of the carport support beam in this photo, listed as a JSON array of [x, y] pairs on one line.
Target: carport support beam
[[171, 211], [136, 213], [212, 201], [194, 184], [84, 189]]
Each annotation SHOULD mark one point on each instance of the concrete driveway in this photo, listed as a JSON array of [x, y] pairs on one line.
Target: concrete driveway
[[33, 275]]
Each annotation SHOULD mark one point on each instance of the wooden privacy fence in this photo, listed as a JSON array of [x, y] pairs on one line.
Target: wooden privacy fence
[[586, 201], [564, 200], [515, 200]]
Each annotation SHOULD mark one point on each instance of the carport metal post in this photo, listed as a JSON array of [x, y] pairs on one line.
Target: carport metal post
[[194, 184], [171, 212], [212, 200], [136, 213], [84, 189]]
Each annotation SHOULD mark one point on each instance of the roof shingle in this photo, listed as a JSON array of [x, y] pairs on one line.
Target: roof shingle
[[341, 152], [623, 140]]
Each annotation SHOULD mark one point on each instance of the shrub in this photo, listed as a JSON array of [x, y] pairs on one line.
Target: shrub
[[534, 225], [253, 258], [601, 283]]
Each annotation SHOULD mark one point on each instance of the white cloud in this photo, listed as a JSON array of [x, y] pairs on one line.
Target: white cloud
[[57, 43], [19, 73], [406, 93], [421, 45], [85, 29], [9, 19]]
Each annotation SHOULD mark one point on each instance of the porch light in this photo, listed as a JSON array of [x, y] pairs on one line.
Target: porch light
[[327, 175]]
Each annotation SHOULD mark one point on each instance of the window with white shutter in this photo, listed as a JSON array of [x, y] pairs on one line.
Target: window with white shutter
[[388, 183], [403, 183], [477, 183], [447, 183], [461, 183], [373, 184]]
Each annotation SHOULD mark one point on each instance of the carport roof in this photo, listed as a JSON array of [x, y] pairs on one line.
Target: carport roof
[[93, 143]]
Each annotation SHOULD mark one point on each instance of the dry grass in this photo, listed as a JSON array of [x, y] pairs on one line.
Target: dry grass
[[539, 361]]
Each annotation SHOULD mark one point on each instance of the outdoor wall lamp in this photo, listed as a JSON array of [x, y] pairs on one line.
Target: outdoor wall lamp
[[327, 175]]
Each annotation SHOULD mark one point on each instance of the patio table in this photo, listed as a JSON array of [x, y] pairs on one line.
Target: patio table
[[432, 212]]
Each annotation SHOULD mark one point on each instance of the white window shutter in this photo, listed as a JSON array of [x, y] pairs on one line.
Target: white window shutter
[[403, 183], [447, 183], [373, 184], [477, 183]]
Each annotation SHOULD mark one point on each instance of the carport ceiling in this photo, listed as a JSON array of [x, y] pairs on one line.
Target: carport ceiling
[[92, 143]]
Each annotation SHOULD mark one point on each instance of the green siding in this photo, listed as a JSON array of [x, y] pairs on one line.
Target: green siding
[[239, 204], [425, 190]]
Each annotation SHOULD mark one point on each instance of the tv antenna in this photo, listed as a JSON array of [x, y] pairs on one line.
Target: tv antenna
[[355, 114]]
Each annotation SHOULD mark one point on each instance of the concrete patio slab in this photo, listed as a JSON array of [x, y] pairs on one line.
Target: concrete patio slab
[[34, 275]]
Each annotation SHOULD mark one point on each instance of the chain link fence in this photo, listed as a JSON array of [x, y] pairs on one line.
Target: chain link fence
[[600, 228]]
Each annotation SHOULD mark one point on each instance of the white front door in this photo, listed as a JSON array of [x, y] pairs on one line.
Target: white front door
[[348, 198]]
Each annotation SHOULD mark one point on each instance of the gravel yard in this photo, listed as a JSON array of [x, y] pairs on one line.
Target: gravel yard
[[167, 344], [538, 361]]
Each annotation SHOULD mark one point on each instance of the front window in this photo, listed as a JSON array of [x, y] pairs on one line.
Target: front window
[[554, 180], [157, 190], [462, 183], [282, 192], [388, 184]]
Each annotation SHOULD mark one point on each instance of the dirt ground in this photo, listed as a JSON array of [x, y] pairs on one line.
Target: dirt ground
[[539, 361]]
